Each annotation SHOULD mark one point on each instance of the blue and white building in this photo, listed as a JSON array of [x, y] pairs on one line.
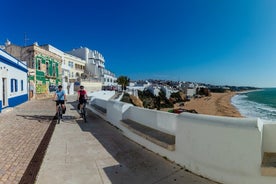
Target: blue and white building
[[13, 81]]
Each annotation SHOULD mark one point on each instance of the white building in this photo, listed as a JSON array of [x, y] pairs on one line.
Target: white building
[[189, 88], [155, 90], [168, 91], [95, 66], [13, 82], [72, 68], [109, 78]]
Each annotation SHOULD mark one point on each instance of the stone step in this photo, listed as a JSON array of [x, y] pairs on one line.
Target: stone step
[[157, 137], [268, 167]]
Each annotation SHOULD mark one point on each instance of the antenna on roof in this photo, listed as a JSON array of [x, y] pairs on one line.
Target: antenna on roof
[[25, 39]]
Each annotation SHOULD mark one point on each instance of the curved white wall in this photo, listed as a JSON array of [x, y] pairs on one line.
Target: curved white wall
[[227, 150], [163, 121], [224, 149], [269, 138]]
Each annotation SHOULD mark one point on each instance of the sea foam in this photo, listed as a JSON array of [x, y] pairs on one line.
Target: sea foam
[[253, 109]]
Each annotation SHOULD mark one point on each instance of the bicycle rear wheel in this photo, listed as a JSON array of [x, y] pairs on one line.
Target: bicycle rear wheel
[[84, 115], [59, 114]]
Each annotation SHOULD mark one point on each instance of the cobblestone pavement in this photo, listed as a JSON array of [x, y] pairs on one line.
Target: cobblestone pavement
[[21, 131]]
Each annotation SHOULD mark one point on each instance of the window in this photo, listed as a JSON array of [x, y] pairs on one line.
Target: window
[[33, 64], [47, 68], [22, 87], [54, 69], [14, 85], [71, 64], [39, 64]]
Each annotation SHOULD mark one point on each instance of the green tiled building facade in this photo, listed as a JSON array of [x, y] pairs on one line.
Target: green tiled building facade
[[47, 73]]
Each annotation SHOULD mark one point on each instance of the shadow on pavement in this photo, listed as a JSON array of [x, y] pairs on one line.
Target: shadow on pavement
[[134, 163], [38, 118]]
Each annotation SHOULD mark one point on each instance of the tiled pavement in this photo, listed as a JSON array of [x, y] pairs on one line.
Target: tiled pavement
[[21, 131], [93, 152], [97, 153]]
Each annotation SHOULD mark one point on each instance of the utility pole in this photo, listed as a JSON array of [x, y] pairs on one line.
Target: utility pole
[[25, 39]]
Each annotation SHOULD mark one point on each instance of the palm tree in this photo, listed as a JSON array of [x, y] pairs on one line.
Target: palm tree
[[124, 81]]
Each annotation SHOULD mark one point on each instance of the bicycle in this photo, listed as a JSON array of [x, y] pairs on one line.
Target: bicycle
[[59, 112], [83, 112]]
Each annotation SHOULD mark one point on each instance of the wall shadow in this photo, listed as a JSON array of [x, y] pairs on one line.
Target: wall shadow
[[130, 162]]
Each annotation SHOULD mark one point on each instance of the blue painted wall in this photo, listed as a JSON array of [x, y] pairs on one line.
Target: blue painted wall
[[14, 101]]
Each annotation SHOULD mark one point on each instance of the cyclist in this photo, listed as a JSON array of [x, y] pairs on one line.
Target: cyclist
[[60, 97], [82, 96]]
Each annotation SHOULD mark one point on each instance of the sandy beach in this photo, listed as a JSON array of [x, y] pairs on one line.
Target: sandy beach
[[218, 104]]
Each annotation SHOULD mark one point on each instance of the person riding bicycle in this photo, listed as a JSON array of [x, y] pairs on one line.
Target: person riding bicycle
[[82, 97], [60, 97]]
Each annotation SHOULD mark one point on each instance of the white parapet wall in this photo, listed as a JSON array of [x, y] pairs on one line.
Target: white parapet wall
[[115, 111], [269, 137], [227, 150], [224, 149], [163, 121], [105, 95]]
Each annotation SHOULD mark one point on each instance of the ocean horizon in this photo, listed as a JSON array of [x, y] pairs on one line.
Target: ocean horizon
[[257, 104]]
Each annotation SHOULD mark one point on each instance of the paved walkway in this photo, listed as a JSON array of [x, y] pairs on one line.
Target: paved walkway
[[97, 153], [21, 131]]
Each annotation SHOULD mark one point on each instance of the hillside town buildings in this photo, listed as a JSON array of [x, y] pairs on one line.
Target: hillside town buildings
[[95, 66], [13, 81], [48, 67], [73, 68]]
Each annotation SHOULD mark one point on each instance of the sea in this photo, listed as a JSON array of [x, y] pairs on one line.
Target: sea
[[257, 104]]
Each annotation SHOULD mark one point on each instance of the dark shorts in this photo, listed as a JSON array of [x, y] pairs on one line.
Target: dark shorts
[[82, 101], [59, 102]]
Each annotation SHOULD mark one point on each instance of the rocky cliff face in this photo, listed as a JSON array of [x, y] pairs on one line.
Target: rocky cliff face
[[136, 101]]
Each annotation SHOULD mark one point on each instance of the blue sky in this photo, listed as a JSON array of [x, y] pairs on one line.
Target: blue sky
[[212, 41]]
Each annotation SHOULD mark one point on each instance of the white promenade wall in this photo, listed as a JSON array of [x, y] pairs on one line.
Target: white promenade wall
[[226, 150], [100, 102], [115, 111], [269, 138], [159, 120], [106, 95]]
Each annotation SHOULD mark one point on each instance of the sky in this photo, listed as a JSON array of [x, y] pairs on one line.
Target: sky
[[216, 42]]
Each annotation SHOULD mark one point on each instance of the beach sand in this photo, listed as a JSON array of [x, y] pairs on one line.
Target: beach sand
[[218, 104]]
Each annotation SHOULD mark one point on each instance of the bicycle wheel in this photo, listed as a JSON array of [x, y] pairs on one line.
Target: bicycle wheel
[[84, 115], [59, 114]]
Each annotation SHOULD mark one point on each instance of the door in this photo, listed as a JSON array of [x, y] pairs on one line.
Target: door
[[4, 92]]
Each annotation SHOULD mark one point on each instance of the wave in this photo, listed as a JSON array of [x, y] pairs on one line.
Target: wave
[[253, 109]]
